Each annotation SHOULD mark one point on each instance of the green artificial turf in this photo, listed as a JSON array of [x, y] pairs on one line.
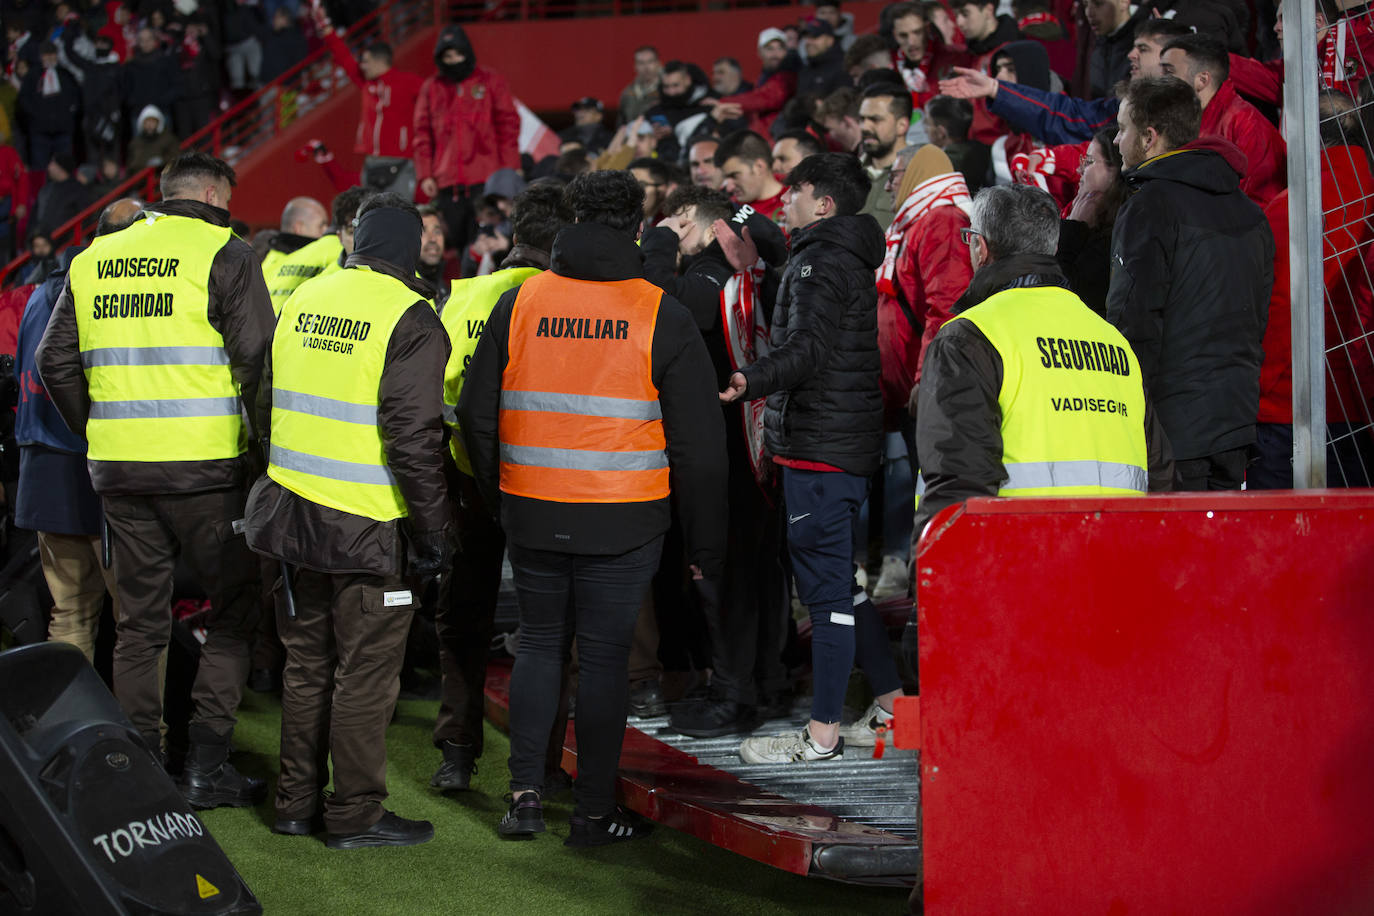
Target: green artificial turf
[[466, 868]]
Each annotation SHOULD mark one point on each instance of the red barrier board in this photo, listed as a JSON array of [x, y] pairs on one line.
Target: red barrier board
[[1159, 705]]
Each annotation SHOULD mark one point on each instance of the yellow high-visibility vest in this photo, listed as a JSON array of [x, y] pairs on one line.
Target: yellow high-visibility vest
[[327, 359], [1072, 400], [465, 317], [319, 258], [157, 371]]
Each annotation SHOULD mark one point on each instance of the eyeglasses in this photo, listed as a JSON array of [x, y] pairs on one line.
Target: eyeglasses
[[1086, 163], [894, 178], [967, 235]]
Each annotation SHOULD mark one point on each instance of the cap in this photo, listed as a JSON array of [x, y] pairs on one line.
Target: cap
[[587, 102], [771, 34], [815, 27]]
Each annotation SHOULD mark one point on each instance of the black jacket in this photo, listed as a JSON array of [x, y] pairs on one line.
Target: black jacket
[[681, 370], [410, 407], [958, 419], [239, 309], [1108, 64], [821, 375], [149, 79], [822, 75], [59, 201], [1006, 31], [1192, 268], [53, 114]]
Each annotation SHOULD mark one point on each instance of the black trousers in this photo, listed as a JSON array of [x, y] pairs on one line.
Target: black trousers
[[596, 600], [1222, 471], [456, 205], [149, 533]]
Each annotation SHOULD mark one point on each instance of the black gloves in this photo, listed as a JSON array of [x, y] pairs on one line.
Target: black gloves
[[429, 555]]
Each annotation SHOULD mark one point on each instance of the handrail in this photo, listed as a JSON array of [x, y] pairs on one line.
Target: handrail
[[245, 126]]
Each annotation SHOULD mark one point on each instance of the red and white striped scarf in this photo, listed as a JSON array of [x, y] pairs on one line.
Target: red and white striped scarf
[[948, 190]]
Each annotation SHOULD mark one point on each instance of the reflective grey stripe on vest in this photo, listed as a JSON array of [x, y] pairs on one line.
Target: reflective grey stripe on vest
[[181, 407], [1047, 474], [328, 408], [450, 415], [574, 459], [154, 356], [582, 404], [332, 468]]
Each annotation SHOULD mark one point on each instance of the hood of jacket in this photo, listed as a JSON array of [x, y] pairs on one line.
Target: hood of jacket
[[1006, 31], [151, 111], [453, 37], [1209, 164], [859, 234], [592, 251]]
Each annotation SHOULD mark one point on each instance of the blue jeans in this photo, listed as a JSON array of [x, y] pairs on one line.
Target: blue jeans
[[596, 599], [821, 508]]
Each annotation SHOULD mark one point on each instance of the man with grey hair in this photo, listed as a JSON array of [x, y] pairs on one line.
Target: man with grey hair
[[1026, 391]]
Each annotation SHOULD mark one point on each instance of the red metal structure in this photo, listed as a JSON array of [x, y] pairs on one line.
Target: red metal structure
[[1156, 705]]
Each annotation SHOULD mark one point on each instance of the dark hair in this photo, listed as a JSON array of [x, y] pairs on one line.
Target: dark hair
[[572, 161], [1161, 30], [1204, 53], [676, 66], [430, 210], [1167, 104], [389, 200], [193, 168], [538, 213], [898, 98], [894, 11], [960, 4], [743, 144], [1118, 192], [838, 176], [954, 115], [346, 205], [379, 49], [611, 198], [731, 61], [807, 143], [842, 103], [657, 168], [711, 204], [1330, 10], [863, 47]]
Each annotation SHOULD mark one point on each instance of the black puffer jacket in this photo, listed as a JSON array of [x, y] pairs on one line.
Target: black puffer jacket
[[1192, 266], [821, 376]]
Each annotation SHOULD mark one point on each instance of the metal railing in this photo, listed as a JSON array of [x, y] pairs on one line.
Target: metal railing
[[1330, 134]]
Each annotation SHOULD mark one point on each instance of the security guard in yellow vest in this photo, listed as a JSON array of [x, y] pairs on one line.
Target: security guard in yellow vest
[[321, 257], [355, 506], [466, 620], [1027, 392], [152, 351]]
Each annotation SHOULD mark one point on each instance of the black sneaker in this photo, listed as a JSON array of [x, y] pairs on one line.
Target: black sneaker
[[712, 718], [456, 772], [391, 830], [211, 781], [646, 700], [524, 819], [617, 827]]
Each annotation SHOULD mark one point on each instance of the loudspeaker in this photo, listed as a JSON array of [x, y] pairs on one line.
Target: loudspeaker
[[90, 822]]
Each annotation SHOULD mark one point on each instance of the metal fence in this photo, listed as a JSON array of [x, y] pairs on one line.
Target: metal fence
[[1328, 108]]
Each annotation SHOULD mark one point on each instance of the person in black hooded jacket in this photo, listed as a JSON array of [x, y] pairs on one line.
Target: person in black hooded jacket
[[1192, 269], [824, 425], [747, 627]]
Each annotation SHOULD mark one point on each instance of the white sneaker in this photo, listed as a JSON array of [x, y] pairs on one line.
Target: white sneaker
[[792, 748], [892, 581], [861, 577], [864, 731]]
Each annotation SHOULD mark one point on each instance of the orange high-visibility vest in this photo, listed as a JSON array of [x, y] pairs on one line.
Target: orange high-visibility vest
[[580, 419]]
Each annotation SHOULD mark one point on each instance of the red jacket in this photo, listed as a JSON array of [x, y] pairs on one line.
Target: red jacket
[[933, 271], [464, 132], [1231, 117], [1347, 257], [386, 126], [764, 102]]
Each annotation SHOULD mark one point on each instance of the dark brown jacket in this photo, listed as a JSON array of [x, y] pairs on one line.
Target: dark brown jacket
[[410, 411], [239, 309]]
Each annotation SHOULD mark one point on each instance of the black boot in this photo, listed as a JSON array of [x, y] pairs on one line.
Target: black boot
[[209, 780]]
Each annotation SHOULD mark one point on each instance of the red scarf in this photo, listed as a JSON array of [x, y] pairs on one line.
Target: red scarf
[[746, 339], [948, 190]]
